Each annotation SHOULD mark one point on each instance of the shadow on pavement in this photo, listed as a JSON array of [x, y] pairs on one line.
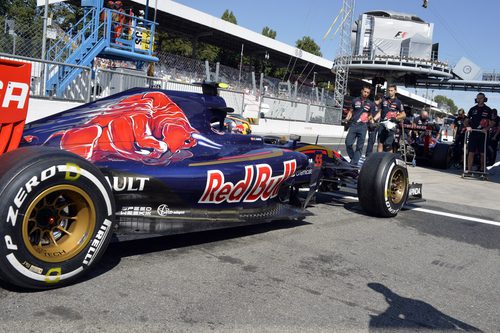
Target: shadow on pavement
[[121, 249], [407, 314]]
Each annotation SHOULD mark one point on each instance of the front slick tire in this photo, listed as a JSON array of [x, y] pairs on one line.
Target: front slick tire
[[383, 185], [56, 219]]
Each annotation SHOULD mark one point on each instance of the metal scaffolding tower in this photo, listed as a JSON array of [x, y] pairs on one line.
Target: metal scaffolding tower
[[344, 53]]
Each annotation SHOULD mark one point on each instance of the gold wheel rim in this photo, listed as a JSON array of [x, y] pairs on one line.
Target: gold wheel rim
[[397, 187], [59, 223]]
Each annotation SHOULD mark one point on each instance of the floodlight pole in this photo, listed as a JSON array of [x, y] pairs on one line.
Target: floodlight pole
[[241, 62], [44, 34]]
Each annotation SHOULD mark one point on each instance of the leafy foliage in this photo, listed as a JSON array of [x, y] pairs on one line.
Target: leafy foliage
[[229, 16], [174, 45], [309, 45], [207, 52], [440, 99], [268, 32]]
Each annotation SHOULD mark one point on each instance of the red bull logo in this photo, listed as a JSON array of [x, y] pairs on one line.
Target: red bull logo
[[148, 127], [258, 184]]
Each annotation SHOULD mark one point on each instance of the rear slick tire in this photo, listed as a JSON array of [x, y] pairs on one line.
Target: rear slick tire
[[57, 218], [383, 185], [441, 156]]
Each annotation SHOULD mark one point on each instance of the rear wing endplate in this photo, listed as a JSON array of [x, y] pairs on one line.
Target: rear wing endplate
[[15, 80]]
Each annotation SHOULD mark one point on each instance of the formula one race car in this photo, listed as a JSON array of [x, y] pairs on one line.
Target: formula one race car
[[420, 145], [141, 163], [382, 182]]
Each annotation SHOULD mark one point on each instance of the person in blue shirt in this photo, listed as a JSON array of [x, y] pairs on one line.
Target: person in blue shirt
[[393, 110], [362, 111]]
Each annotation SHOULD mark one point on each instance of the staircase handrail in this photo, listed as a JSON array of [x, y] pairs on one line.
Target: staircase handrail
[[67, 44]]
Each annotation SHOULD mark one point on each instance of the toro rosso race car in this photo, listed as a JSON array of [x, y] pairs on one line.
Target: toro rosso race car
[[142, 163]]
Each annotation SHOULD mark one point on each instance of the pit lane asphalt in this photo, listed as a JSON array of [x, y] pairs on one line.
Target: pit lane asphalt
[[338, 270]]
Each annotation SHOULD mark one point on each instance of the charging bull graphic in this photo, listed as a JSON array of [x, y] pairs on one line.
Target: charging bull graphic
[[148, 127]]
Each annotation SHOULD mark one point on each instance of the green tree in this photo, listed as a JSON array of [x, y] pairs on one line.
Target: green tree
[[65, 14], [279, 72], [440, 99], [207, 52], [28, 28], [266, 31], [229, 57], [22, 10], [229, 16], [309, 45], [174, 45]]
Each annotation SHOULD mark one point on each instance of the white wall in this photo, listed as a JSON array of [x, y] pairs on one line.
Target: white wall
[[41, 108], [285, 127]]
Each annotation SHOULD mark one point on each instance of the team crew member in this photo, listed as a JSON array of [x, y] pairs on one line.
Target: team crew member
[[493, 139], [459, 135], [423, 120], [479, 117], [362, 111], [392, 109], [372, 125]]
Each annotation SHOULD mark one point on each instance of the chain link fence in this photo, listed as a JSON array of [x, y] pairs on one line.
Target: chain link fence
[[178, 68], [21, 38], [237, 80]]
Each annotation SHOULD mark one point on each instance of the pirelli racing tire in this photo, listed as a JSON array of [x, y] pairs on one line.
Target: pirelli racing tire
[[383, 184], [56, 218], [441, 156]]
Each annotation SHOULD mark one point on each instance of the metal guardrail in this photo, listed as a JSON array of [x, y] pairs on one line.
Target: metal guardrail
[[108, 82], [403, 61], [283, 109], [79, 90]]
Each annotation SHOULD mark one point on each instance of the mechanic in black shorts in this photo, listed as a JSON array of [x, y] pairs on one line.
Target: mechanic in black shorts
[[480, 117], [459, 136], [493, 139], [392, 109]]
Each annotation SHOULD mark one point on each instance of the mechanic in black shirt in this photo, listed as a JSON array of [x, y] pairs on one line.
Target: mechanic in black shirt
[[392, 109], [493, 139], [362, 111], [372, 125], [480, 117], [423, 120], [459, 136]]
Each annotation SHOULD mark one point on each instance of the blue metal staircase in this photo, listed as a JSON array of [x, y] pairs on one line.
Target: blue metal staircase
[[98, 34]]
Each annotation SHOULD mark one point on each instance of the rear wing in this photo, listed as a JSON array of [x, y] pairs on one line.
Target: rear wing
[[15, 80]]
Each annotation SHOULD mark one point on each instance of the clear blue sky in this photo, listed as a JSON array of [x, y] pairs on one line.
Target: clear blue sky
[[461, 27]]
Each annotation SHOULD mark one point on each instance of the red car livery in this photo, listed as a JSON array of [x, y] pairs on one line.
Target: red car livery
[[148, 127]]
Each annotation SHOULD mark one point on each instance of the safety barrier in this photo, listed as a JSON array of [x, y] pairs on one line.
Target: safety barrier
[[79, 90], [282, 109], [108, 82]]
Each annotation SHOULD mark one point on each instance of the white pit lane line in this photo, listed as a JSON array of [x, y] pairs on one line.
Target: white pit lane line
[[428, 211]]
